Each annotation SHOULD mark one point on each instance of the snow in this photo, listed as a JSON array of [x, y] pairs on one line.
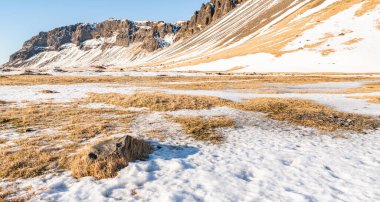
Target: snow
[[316, 9], [67, 93], [105, 73], [261, 160], [361, 56]]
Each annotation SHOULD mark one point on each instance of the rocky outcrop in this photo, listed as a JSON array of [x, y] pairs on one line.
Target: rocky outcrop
[[208, 13], [150, 36], [124, 32]]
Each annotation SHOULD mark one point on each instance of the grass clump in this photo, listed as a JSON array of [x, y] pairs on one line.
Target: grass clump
[[70, 127], [29, 161], [99, 169], [366, 88], [159, 101], [204, 129], [370, 99], [310, 114], [107, 162]]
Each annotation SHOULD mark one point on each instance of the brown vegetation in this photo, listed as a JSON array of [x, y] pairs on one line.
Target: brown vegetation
[[310, 114], [367, 6], [203, 129], [99, 169], [370, 99], [353, 41], [365, 88], [185, 83], [48, 152], [327, 52], [158, 101], [107, 165]]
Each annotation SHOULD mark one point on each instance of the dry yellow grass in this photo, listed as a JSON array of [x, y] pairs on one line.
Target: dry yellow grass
[[327, 52], [158, 101], [29, 161], [298, 111], [257, 82], [370, 99], [183, 82], [310, 114], [10, 195], [365, 88], [235, 69], [107, 167], [99, 169], [367, 6], [203, 129], [353, 41], [71, 118], [278, 36], [46, 153]]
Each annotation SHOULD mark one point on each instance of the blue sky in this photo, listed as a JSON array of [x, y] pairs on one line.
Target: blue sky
[[22, 19]]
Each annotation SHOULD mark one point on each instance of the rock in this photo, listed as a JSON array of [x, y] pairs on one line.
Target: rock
[[126, 147], [149, 36]]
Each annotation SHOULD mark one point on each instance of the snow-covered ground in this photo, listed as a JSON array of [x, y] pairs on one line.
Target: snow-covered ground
[[260, 160], [67, 93]]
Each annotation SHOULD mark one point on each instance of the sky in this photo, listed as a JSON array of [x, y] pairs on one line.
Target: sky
[[22, 19]]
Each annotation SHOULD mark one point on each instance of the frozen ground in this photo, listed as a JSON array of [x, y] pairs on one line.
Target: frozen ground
[[67, 93], [260, 160]]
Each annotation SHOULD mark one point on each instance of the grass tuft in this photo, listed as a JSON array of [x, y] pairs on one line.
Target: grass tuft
[[204, 129], [107, 166], [310, 114], [158, 101], [370, 99]]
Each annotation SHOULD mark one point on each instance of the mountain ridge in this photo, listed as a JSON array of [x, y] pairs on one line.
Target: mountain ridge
[[257, 36], [146, 36]]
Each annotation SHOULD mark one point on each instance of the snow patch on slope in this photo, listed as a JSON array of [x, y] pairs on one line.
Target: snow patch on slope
[[354, 43]]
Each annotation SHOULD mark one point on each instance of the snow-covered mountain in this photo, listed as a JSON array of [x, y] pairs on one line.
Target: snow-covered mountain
[[231, 35]]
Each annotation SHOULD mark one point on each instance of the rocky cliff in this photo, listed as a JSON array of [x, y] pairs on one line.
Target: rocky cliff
[[144, 36]]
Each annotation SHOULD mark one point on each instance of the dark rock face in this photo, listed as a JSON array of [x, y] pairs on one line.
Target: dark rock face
[[207, 14], [149, 35]]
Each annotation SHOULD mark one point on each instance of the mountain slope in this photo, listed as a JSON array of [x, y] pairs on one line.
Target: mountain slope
[[239, 35], [112, 42], [304, 36]]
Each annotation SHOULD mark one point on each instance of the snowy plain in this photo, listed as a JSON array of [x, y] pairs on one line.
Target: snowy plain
[[260, 160]]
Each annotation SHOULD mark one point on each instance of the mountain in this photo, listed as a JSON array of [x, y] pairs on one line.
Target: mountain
[[224, 35], [112, 42]]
